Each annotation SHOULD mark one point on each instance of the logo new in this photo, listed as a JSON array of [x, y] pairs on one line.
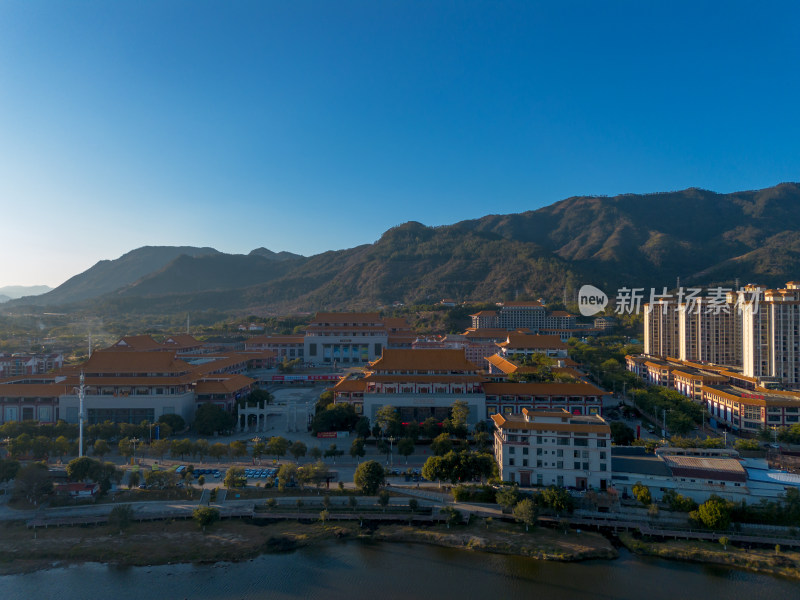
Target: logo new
[[591, 300]]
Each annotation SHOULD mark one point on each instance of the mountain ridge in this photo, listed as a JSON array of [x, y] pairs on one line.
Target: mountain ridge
[[638, 240]]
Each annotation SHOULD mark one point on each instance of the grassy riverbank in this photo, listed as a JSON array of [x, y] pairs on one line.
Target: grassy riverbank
[[165, 542], [785, 563]]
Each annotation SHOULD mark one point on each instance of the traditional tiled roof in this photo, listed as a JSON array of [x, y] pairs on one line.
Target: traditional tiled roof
[[523, 303], [400, 359], [541, 389], [106, 361], [424, 378], [346, 317], [485, 313], [274, 339], [227, 385], [137, 342], [182, 340], [32, 390], [533, 342], [348, 384]]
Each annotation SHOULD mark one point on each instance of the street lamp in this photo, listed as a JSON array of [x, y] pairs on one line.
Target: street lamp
[[134, 441], [391, 456]]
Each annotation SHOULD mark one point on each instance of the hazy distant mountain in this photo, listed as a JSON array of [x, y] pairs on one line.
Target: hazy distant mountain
[[633, 240], [10, 292], [110, 275]]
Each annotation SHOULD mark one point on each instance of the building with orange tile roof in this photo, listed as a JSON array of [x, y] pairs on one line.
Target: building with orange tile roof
[[550, 447], [549, 345], [419, 383]]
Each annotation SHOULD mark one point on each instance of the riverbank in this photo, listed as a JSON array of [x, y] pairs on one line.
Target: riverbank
[[785, 563], [168, 542]]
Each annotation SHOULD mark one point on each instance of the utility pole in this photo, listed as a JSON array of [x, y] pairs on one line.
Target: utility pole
[[81, 394]]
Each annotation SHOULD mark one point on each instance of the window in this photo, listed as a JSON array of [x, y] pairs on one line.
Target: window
[[602, 466], [511, 462], [512, 449], [524, 462], [559, 453], [601, 443], [579, 442], [538, 452], [560, 464], [525, 451], [576, 466], [312, 349]]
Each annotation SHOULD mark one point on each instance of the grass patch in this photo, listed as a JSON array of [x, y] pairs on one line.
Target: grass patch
[[785, 563]]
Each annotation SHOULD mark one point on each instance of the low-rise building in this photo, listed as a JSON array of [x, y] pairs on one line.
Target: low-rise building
[[553, 448]]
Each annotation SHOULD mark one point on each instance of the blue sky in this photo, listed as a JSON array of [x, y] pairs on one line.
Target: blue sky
[[309, 126]]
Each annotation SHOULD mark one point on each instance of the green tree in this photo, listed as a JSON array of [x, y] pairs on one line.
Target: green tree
[[40, 447], [101, 448], [453, 516], [413, 504], [8, 469], [160, 448], [525, 511], [621, 434], [205, 516], [508, 497], [388, 420], [277, 446], [134, 478], [19, 446], [315, 453], [433, 469], [557, 499], [210, 418], [324, 515], [714, 513], [298, 449], [238, 448], [201, 447], [724, 541], [357, 450], [61, 446], [259, 449], [83, 469], [642, 493], [125, 447], [286, 473], [369, 477], [441, 444], [33, 482], [405, 447], [218, 450], [181, 447], [176, 422], [235, 477], [430, 428], [362, 428], [383, 499]]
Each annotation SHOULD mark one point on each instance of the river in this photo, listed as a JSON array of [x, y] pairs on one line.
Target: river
[[375, 571]]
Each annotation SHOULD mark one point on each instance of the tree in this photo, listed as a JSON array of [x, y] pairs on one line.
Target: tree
[[277, 446], [315, 453], [40, 447], [642, 493], [8, 469], [201, 447], [714, 513], [298, 450], [61, 446], [453, 516], [557, 499], [483, 440], [508, 497], [134, 477], [369, 477], [205, 516], [286, 473], [353, 502], [324, 515], [218, 450], [259, 449], [125, 447], [433, 470], [357, 450], [234, 478], [430, 428], [405, 447], [238, 448], [258, 397], [525, 511], [19, 446], [271, 503], [210, 418], [101, 448], [33, 482], [383, 499], [337, 417], [441, 444], [181, 447], [384, 448], [121, 517], [362, 428], [413, 504], [176, 422], [388, 420], [160, 447], [724, 541], [83, 469], [333, 452], [621, 434], [459, 413]]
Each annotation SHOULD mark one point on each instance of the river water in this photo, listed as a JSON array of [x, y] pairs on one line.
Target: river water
[[374, 571]]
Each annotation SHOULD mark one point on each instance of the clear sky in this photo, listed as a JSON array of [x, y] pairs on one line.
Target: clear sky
[[309, 126]]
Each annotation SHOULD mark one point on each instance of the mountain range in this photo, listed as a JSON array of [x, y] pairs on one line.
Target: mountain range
[[9, 292], [633, 240]]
